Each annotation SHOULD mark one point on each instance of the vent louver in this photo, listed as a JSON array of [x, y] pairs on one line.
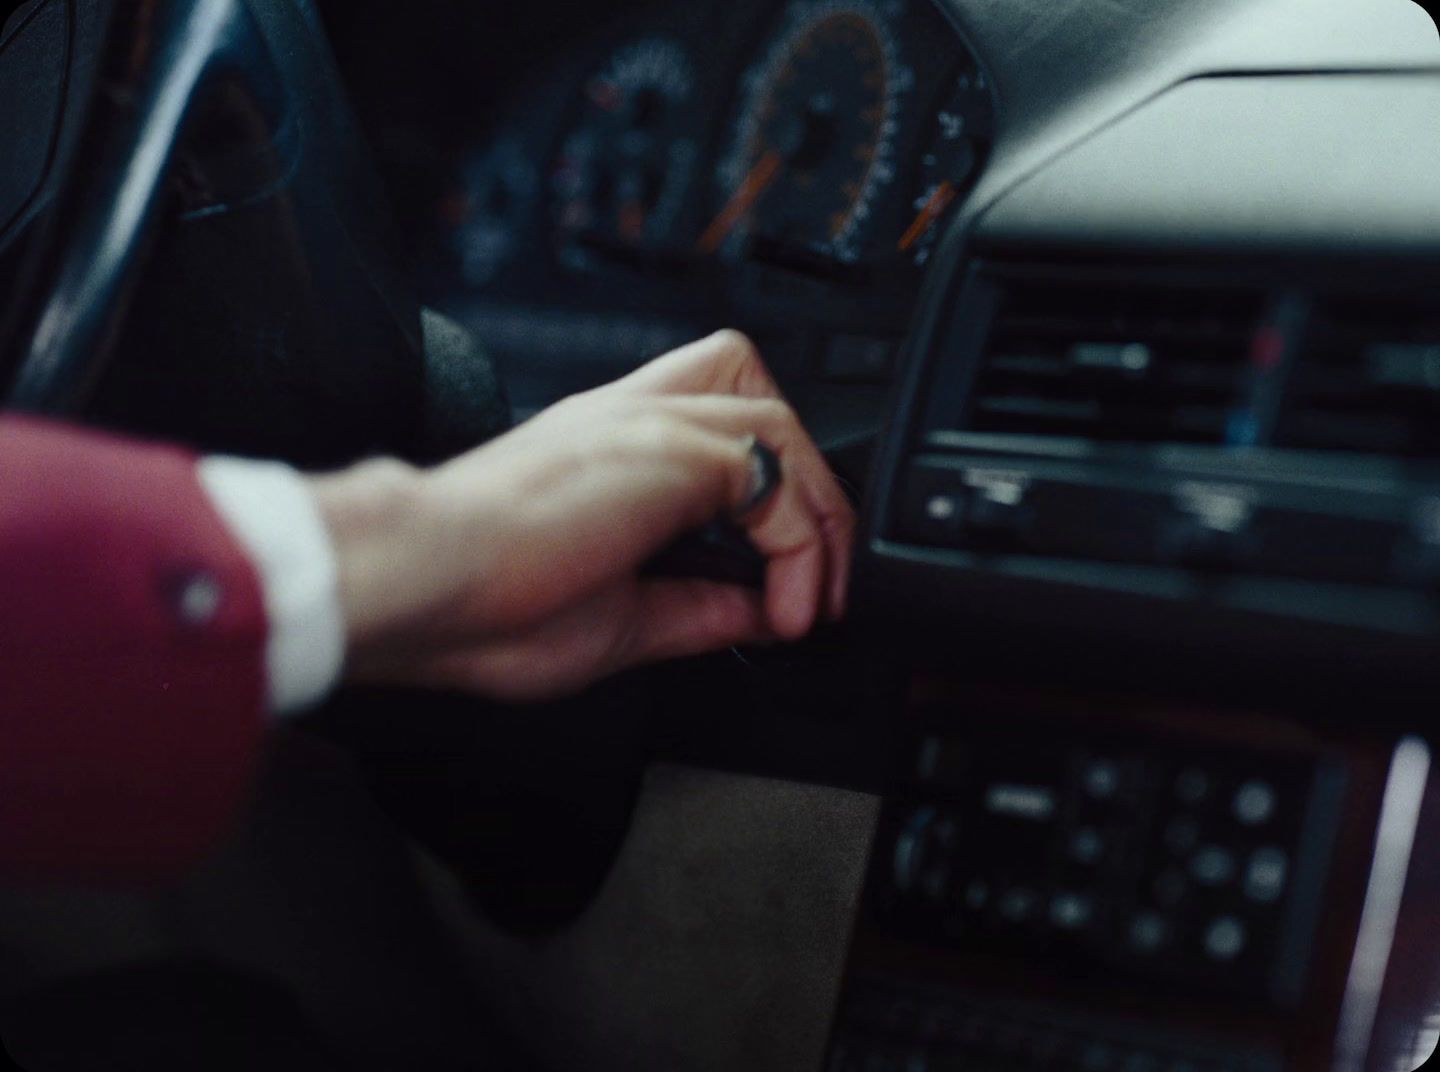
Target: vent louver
[[1368, 380], [1123, 361]]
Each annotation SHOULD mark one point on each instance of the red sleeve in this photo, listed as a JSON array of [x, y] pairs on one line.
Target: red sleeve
[[131, 658]]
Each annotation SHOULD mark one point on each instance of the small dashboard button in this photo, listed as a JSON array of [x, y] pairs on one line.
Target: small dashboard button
[[1254, 803], [1225, 939], [1265, 875], [1017, 905], [1149, 933], [1071, 911], [1087, 846], [1101, 779], [1212, 866]]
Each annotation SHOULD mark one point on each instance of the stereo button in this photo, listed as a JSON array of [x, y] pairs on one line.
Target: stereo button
[[1149, 932], [1101, 779], [1017, 905], [1087, 846], [1212, 866], [1265, 875], [1225, 939], [1254, 803], [1071, 911]]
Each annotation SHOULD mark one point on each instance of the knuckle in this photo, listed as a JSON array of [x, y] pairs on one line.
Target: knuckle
[[734, 339], [776, 413], [738, 346], [658, 431]]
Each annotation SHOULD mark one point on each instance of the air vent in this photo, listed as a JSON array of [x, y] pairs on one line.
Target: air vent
[[1124, 361], [1368, 381]]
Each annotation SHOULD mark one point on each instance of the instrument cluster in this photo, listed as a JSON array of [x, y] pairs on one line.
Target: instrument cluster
[[707, 158]]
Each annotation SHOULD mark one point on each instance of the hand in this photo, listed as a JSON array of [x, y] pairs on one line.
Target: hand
[[513, 571]]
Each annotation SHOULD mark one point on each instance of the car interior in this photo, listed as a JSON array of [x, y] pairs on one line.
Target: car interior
[[1119, 320]]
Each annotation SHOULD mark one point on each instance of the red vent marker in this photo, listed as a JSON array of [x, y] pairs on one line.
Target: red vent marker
[[1268, 349]]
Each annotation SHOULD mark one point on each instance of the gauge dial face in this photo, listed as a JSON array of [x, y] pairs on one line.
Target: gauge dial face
[[814, 143], [949, 163], [487, 212], [621, 175]]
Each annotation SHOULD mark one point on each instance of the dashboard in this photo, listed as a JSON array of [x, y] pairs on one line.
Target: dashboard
[[785, 167]]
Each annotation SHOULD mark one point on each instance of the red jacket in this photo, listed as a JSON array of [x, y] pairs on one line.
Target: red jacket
[[132, 638]]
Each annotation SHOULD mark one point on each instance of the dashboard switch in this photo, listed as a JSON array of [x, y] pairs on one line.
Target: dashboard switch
[[1212, 866], [1265, 876], [935, 508], [1254, 803], [1149, 932], [999, 504], [1225, 939], [1212, 527]]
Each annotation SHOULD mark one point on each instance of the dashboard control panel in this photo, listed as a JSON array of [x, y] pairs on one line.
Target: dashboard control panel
[[1168, 864], [1126, 887], [1256, 524]]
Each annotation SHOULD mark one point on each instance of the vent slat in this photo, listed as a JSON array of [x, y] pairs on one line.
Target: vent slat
[[1369, 380], [1122, 362]]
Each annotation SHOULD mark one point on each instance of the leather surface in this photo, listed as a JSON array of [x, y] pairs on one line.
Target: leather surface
[[1345, 163], [1064, 69]]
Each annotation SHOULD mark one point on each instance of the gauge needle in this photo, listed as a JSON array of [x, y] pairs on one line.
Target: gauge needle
[[632, 222], [933, 210], [741, 202]]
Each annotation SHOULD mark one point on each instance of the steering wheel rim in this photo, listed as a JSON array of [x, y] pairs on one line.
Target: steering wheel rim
[[161, 60]]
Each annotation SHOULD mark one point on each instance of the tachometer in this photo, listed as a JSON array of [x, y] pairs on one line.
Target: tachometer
[[621, 176], [949, 162], [815, 139]]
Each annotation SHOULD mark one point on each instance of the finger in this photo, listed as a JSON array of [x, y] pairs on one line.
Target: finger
[[726, 362], [683, 618], [784, 529], [787, 532], [780, 429], [729, 363]]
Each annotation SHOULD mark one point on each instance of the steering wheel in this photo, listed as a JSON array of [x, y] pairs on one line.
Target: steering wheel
[[162, 60], [217, 199]]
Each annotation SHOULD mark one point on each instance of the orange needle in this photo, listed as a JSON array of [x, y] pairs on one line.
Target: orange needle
[[632, 222], [934, 208], [741, 202]]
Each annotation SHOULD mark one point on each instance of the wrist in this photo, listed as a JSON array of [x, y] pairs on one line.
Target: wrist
[[377, 517]]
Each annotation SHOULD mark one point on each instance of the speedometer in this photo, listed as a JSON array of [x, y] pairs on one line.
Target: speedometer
[[814, 142], [621, 176]]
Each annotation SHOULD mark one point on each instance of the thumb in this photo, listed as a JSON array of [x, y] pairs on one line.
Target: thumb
[[680, 618]]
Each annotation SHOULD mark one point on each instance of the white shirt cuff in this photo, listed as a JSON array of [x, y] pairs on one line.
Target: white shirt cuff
[[273, 515]]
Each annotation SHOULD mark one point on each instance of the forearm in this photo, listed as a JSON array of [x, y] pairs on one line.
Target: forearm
[[131, 657]]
